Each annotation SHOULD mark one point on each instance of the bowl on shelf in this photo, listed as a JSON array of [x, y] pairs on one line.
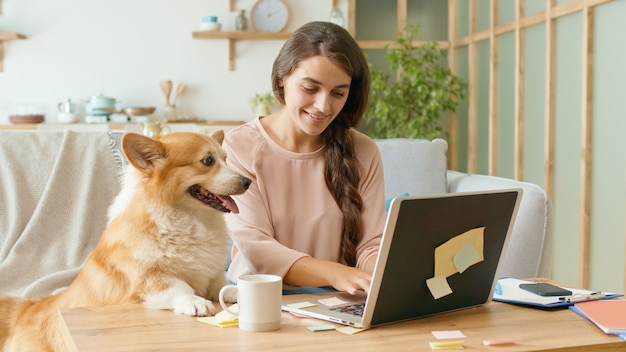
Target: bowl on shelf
[[210, 24], [67, 117], [26, 118]]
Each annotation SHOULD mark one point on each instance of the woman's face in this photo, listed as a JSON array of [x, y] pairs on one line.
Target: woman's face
[[315, 93]]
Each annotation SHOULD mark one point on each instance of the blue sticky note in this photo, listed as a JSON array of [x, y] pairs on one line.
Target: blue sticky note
[[466, 257]]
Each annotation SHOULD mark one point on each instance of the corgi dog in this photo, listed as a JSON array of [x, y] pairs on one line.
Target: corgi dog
[[165, 243]]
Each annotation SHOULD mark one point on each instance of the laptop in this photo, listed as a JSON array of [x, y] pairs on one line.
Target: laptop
[[438, 253]]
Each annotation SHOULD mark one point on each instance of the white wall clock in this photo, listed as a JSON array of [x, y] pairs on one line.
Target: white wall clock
[[269, 15]]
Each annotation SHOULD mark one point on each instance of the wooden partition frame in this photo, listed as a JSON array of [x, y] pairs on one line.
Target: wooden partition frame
[[520, 22]]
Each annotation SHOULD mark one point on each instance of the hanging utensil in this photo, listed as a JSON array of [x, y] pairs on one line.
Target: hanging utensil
[[179, 90], [166, 88]]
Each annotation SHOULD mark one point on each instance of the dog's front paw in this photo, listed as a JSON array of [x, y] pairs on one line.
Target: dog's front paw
[[230, 296], [194, 306]]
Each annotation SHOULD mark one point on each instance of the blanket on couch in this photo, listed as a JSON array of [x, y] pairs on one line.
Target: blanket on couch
[[55, 190]]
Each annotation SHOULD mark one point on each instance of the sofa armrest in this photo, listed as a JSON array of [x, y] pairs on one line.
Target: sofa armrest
[[529, 253]]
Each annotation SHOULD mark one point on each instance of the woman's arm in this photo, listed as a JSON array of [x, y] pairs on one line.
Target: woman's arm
[[308, 271]]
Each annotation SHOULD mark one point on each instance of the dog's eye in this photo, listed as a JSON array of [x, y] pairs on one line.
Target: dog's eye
[[208, 161]]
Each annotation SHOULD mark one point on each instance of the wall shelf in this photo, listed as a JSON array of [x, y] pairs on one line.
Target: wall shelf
[[232, 37], [4, 37], [7, 36]]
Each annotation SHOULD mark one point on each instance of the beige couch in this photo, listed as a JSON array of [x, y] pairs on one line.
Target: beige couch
[[56, 187]]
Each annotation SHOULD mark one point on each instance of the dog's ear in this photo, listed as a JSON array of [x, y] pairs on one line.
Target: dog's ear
[[218, 136], [141, 151]]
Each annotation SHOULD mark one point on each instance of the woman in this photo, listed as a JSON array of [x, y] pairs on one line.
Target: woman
[[314, 213]]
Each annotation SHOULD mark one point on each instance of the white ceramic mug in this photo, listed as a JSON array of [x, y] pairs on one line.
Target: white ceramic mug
[[155, 129], [259, 298]]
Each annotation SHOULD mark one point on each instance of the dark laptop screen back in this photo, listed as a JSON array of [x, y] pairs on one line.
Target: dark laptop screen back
[[426, 223]]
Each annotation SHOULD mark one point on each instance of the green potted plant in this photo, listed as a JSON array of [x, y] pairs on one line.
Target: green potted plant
[[412, 104], [263, 103]]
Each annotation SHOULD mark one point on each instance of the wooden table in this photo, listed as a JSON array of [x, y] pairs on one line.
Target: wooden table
[[135, 328]]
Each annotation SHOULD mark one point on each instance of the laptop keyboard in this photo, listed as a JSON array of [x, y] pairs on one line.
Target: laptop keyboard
[[354, 309]]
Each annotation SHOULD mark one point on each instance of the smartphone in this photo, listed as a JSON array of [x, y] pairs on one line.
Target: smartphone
[[545, 289]]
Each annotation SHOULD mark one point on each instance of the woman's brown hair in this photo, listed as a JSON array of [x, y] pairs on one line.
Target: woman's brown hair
[[342, 171]]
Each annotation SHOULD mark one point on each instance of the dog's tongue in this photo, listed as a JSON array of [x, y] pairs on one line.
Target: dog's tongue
[[230, 204]]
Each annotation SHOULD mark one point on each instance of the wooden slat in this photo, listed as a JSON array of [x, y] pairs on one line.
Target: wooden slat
[[402, 15], [493, 90], [518, 170], [585, 167], [533, 19], [453, 19], [352, 17], [480, 36], [472, 123]]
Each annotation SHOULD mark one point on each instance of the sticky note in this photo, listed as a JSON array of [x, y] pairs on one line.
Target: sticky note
[[301, 305], [448, 334], [213, 321], [315, 328], [445, 253], [466, 257], [438, 287], [225, 317], [349, 330], [332, 302], [446, 345], [498, 342]]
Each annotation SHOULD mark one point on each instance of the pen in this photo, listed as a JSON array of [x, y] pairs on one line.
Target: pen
[[581, 298]]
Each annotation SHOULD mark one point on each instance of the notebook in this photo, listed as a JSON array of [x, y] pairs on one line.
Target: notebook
[[608, 315], [438, 253]]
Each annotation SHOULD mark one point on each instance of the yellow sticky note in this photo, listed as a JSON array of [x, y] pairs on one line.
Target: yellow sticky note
[[444, 254], [333, 302], [225, 317], [213, 321], [349, 330], [446, 345], [301, 305]]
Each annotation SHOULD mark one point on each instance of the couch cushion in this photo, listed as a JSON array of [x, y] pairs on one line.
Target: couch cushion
[[413, 166]]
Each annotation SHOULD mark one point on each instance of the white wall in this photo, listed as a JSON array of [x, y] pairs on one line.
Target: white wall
[[123, 48]]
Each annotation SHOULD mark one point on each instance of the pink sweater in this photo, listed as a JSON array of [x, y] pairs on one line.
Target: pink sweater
[[288, 212]]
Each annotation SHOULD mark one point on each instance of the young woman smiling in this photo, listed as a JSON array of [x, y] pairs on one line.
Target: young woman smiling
[[314, 213]]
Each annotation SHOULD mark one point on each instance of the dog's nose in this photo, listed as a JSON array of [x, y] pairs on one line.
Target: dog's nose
[[245, 182]]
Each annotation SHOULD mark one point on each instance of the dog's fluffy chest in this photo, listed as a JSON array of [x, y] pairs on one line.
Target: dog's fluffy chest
[[185, 242]]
